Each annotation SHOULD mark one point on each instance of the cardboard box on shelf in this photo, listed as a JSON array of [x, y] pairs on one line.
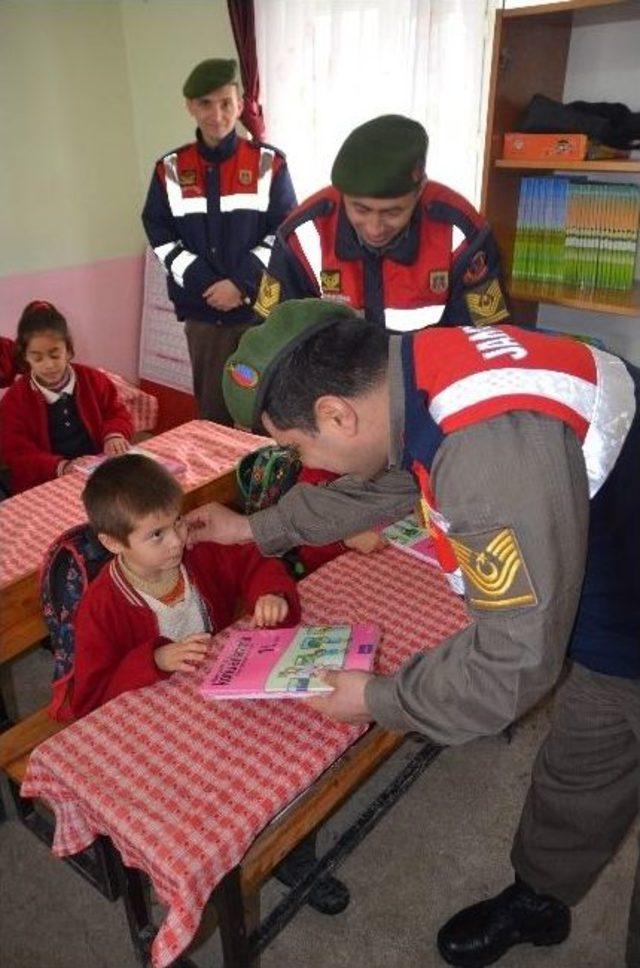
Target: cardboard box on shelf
[[544, 147]]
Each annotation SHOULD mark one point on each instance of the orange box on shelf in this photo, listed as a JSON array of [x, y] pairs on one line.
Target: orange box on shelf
[[544, 147]]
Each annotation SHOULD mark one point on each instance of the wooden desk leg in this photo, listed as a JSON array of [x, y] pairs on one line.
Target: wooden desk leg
[[252, 922], [229, 905], [141, 927]]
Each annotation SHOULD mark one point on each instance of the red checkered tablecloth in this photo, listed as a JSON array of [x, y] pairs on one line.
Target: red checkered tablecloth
[[142, 406], [183, 786], [30, 521]]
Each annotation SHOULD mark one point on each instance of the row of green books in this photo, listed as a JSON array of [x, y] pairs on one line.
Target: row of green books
[[577, 232]]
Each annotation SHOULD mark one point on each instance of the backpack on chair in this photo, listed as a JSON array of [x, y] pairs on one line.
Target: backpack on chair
[[263, 477], [72, 561]]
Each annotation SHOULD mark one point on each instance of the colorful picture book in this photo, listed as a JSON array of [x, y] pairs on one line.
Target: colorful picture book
[[88, 465], [577, 232], [408, 535], [282, 663]]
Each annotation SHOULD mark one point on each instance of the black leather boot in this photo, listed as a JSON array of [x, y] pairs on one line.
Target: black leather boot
[[481, 934]]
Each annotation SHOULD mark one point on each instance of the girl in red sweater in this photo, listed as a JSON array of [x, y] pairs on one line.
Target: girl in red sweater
[[56, 412]]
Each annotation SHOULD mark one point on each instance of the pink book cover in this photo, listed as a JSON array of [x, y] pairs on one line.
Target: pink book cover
[[88, 465], [409, 536], [281, 663]]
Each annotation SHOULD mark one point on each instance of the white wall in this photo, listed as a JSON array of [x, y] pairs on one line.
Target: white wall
[[604, 65], [164, 40]]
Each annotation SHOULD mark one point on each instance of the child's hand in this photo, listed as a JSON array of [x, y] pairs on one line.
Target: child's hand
[[365, 542], [182, 656], [116, 445], [270, 610]]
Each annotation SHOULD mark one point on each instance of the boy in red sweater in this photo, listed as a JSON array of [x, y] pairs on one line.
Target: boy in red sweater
[[152, 610], [56, 412]]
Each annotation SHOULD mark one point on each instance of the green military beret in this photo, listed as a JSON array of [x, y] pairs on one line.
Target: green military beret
[[383, 158], [208, 76], [249, 371]]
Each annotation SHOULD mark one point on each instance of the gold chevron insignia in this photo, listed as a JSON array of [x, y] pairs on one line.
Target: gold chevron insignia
[[330, 280], [494, 571], [486, 304], [268, 295]]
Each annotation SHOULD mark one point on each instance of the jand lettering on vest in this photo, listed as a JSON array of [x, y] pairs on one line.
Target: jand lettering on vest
[[491, 343]]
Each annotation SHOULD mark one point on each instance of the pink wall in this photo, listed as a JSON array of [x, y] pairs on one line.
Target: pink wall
[[102, 302]]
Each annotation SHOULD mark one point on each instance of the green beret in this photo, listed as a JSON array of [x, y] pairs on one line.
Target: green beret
[[209, 76], [383, 158], [249, 371]]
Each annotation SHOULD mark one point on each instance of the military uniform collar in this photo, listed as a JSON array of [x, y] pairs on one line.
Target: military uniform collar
[[403, 249], [222, 151]]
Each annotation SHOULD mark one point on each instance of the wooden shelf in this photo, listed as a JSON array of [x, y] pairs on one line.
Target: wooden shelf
[[563, 6], [596, 300], [611, 164]]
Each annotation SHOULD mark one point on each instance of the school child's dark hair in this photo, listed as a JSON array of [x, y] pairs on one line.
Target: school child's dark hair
[[37, 317], [126, 488]]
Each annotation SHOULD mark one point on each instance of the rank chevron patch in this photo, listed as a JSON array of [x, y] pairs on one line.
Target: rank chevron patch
[[486, 304], [494, 570]]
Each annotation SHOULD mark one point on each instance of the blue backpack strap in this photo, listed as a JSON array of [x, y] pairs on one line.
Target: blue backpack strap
[[70, 564]]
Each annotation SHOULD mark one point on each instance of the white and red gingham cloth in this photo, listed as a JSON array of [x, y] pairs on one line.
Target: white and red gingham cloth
[[183, 785], [142, 406], [30, 521]]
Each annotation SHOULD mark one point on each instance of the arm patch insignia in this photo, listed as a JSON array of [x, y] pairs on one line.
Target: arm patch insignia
[[495, 574], [268, 295], [486, 304]]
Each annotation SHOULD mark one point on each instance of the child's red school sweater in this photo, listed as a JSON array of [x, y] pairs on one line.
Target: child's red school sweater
[[24, 431], [117, 632]]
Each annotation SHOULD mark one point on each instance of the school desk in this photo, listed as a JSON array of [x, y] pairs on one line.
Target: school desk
[[185, 788], [30, 521]]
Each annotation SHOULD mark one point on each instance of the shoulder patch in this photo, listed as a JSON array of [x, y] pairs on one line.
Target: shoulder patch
[[494, 570], [330, 279], [486, 304], [268, 295]]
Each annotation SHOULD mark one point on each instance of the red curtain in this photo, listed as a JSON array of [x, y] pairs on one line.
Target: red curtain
[[242, 18]]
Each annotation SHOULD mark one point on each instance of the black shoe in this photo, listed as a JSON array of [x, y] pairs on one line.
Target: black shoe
[[482, 933], [328, 895]]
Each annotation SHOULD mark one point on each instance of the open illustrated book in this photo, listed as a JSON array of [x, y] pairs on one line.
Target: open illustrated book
[[409, 536], [88, 465], [281, 663]]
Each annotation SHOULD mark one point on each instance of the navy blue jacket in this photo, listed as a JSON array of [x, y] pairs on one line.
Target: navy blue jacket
[[212, 214]]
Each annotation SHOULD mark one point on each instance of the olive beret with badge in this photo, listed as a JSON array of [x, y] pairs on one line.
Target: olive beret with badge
[[383, 158], [249, 370], [208, 76]]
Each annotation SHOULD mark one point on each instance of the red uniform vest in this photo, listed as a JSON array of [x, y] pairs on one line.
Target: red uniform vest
[[412, 281], [469, 375]]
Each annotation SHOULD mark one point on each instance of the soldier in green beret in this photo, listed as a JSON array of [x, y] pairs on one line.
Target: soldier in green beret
[[211, 213], [402, 250], [530, 497]]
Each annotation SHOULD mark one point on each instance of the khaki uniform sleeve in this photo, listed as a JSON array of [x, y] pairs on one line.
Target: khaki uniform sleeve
[[313, 515], [518, 483]]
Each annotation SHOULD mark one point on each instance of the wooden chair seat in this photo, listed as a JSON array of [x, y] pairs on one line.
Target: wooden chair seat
[[17, 743]]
